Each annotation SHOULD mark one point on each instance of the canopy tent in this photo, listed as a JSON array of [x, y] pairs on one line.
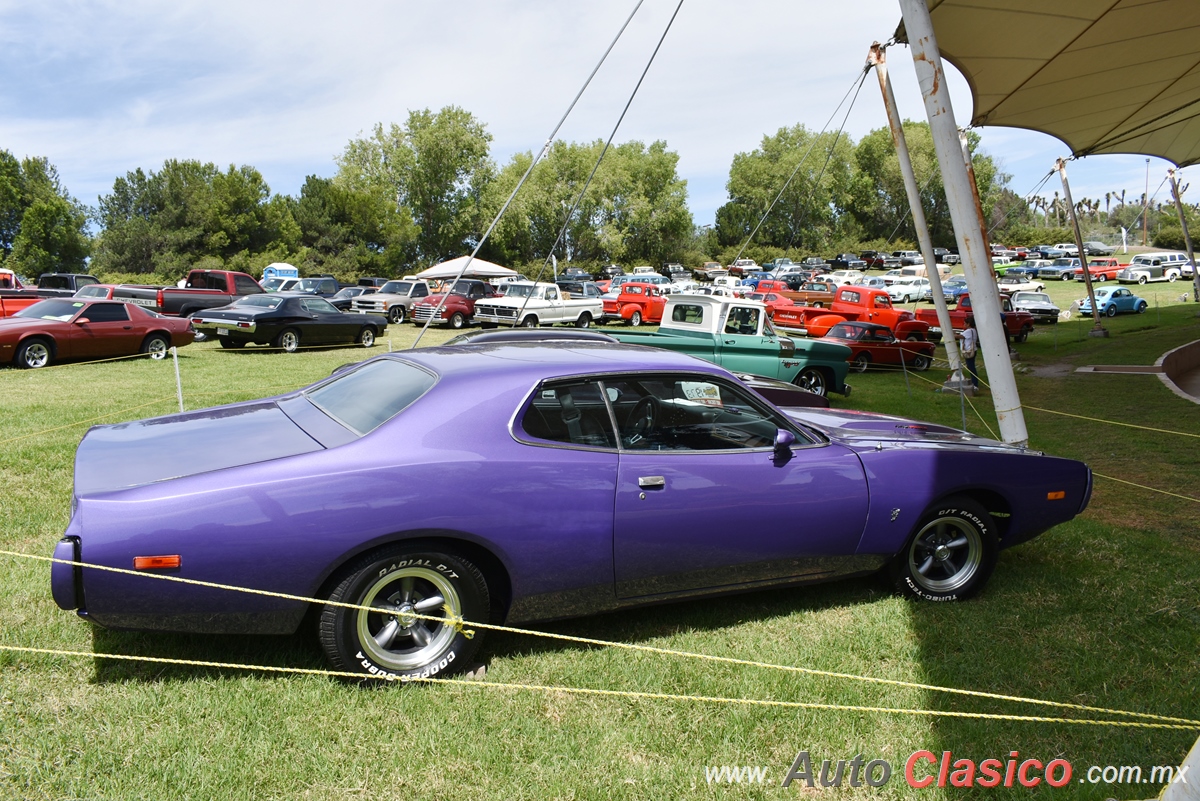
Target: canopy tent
[[478, 269], [1104, 77]]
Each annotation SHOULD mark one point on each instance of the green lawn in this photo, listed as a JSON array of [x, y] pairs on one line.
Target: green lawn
[[1103, 611]]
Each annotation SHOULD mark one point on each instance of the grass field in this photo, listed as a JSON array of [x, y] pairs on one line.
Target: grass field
[[1103, 611]]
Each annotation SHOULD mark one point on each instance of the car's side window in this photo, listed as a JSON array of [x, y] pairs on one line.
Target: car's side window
[[105, 313], [690, 413], [570, 413]]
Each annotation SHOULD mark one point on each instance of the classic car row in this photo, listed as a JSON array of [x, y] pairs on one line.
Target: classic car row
[[602, 477]]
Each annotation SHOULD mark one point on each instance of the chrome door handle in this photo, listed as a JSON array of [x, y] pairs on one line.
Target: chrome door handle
[[652, 482]]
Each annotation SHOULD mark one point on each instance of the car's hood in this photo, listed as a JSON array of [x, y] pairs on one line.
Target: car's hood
[[8, 324], [144, 451], [866, 429]]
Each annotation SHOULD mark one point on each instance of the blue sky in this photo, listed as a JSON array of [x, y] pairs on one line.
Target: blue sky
[[102, 88]]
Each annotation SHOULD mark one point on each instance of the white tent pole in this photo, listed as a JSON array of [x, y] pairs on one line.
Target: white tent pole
[[967, 215], [878, 57], [1098, 330], [1187, 237]]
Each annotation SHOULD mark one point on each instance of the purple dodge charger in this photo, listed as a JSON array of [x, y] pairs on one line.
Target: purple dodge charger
[[526, 481]]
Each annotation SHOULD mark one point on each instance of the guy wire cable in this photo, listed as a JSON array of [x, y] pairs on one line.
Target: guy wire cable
[[858, 82], [579, 199], [532, 164]]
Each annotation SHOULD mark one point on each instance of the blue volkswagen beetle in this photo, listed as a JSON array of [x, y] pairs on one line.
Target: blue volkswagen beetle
[[1111, 299]]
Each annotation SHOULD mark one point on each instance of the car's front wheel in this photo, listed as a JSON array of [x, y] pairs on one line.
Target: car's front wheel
[[951, 554], [1103, 277], [813, 380], [34, 353], [404, 586], [396, 315]]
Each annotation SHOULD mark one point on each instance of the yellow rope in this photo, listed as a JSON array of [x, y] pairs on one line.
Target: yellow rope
[[1142, 486], [631, 694], [85, 422], [1114, 422], [458, 624]]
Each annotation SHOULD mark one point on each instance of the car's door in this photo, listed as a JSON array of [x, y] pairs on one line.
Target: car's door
[[104, 329], [703, 500], [326, 323], [747, 344]]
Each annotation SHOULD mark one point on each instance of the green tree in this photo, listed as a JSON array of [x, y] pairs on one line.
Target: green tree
[[42, 228], [436, 166], [813, 210], [346, 231]]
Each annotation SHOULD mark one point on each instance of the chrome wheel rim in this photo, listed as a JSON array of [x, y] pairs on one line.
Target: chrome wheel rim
[[289, 341], [37, 355], [945, 554], [393, 636], [811, 380], [367, 338], [157, 349]]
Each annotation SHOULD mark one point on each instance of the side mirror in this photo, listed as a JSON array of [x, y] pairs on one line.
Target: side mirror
[[784, 440]]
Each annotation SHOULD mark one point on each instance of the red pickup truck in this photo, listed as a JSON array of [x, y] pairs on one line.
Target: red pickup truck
[[853, 304], [638, 303], [202, 289], [1018, 323]]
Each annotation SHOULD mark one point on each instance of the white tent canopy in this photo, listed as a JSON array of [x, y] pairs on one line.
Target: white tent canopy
[[1121, 76], [478, 269]]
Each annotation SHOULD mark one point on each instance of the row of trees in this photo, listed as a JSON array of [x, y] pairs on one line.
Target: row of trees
[[406, 196]]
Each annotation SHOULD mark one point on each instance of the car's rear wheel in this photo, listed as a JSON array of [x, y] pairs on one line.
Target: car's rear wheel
[[1024, 334], [396, 315], [951, 554], [34, 353], [584, 321], [230, 343], [288, 340], [457, 320], [921, 362], [1111, 311], [813, 380], [860, 362], [401, 585], [156, 346], [366, 337], [635, 319]]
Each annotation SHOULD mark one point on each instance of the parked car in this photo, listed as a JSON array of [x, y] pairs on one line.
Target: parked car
[[1146, 267], [601, 478], [742, 266], [287, 322], [51, 285], [279, 284], [847, 261], [1038, 304], [1028, 268], [608, 272], [58, 329], [1049, 252], [908, 257], [674, 271], [872, 344], [1102, 269], [533, 304], [1018, 283], [1094, 248], [202, 289], [953, 288], [638, 303], [324, 286], [1069, 248], [1060, 270], [873, 281], [345, 296], [457, 303], [710, 270], [1113, 300], [907, 288], [840, 277]]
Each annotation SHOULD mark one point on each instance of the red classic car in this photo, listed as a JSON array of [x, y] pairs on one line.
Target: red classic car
[[773, 301], [874, 344], [640, 303], [77, 328]]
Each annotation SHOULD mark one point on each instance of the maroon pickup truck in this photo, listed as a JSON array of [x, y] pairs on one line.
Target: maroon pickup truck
[[459, 308], [1018, 323], [202, 289]]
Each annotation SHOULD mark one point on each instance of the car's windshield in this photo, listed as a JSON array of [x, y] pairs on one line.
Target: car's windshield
[[396, 288], [521, 291], [366, 398], [260, 301], [61, 310]]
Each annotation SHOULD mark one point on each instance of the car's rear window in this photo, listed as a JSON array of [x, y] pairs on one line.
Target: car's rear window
[[366, 398]]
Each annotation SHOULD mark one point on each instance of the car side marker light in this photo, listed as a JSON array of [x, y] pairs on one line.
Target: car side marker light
[[156, 562], [1056, 496]]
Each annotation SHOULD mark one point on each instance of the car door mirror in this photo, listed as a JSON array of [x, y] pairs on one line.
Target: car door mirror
[[784, 440]]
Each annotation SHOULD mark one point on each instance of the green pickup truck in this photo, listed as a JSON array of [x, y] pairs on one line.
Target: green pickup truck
[[737, 335]]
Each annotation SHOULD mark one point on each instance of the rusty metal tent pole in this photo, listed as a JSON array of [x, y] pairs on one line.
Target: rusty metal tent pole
[[1187, 237], [878, 58], [1098, 330], [968, 220]]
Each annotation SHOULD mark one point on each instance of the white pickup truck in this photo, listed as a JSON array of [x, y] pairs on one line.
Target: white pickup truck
[[531, 305]]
